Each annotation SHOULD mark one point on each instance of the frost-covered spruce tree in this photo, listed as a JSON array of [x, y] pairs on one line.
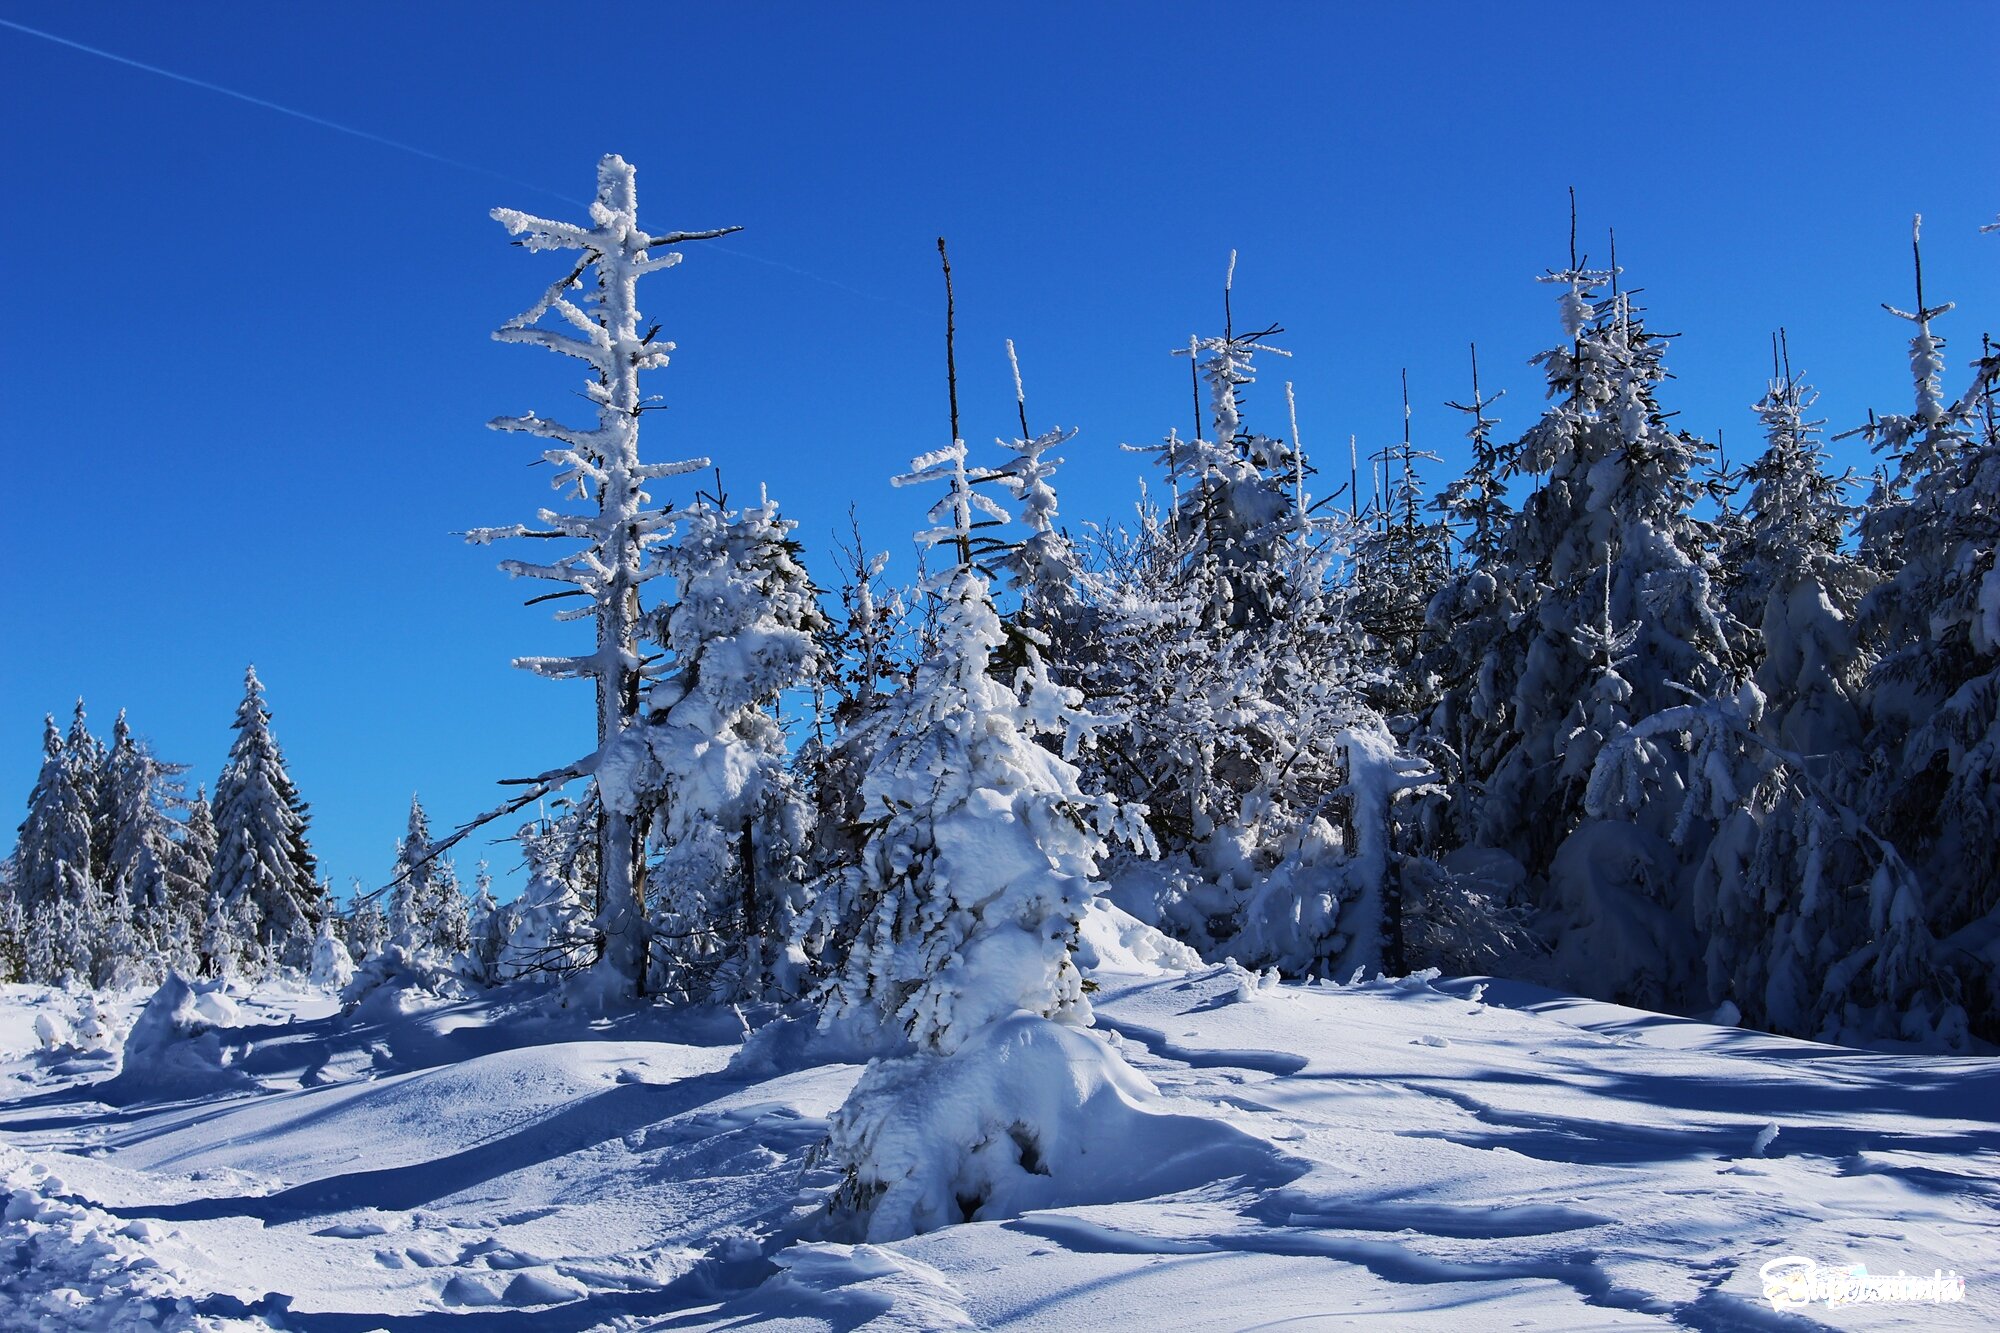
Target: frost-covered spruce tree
[[53, 847], [75, 932], [865, 658], [229, 941], [1612, 522], [13, 937], [1243, 727], [63, 939], [367, 927], [1237, 493], [1466, 619], [1934, 700], [705, 767], [1775, 899], [550, 932], [1042, 566], [981, 844], [488, 924], [87, 759], [149, 869], [427, 910], [617, 531], [1399, 562], [264, 872], [1172, 603], [198, 847], [1267, 774], [1476, 504]]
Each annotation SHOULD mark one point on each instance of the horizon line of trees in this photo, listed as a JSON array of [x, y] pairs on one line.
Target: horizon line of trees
[[1601, 713]]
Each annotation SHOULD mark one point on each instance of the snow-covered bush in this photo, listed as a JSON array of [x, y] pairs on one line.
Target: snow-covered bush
[[175, 1049], [1027, 1114], [332, 966]]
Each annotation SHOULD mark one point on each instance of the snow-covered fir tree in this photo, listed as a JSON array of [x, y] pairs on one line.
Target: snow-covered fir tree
[[1475, 506], [264, 872], [865, 657], [331, 965], [1242, 743], [1467, 618], [1042, 566], [52, 853], [195, 869], [1237, 493], [230, 942], [1933, 627], [427, 909], [551, 929], [87, 759], [367, 927], [618, 531], [1241, 723], [981, 845], [153, 878], [60, 860], [1775, 899], [705, 769], [13, 936], [1606, 548], [487, 926], [1399, 562]]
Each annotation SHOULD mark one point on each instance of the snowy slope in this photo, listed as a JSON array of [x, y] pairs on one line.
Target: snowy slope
[[1391, 1154]]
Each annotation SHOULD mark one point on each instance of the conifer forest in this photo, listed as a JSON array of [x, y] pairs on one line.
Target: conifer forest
[[1339, 888]]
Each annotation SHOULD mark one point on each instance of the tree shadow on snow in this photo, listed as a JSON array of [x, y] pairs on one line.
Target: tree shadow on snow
[[600, 1118]]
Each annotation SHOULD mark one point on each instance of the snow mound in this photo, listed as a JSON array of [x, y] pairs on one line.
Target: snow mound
[[1027, 1114], [175, 1048], [214, 1007], [882, 1288], [71, 1266], [52, 1031], [1111, 939]]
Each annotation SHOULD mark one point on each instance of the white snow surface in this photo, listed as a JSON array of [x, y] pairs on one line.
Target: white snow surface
[[1399, 1154]]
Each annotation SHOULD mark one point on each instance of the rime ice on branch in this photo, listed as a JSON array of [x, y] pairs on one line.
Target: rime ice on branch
[[600, 466]]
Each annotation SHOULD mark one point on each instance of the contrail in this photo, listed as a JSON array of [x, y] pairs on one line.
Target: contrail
[[293, 112], [401, 147], [736, 253]]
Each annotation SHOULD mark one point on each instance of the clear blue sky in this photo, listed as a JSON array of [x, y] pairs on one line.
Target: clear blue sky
[[246, 364]]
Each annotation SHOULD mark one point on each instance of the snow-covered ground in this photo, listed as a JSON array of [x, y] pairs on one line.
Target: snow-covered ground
[[1403, 1155]]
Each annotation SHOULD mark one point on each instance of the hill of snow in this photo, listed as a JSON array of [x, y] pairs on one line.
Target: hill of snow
[[1404, 1154]]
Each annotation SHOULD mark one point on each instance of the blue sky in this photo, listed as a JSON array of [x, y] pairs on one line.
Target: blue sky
[[244, 384]]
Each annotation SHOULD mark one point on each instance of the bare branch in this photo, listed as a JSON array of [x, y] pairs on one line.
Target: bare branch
[[676, 237]]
